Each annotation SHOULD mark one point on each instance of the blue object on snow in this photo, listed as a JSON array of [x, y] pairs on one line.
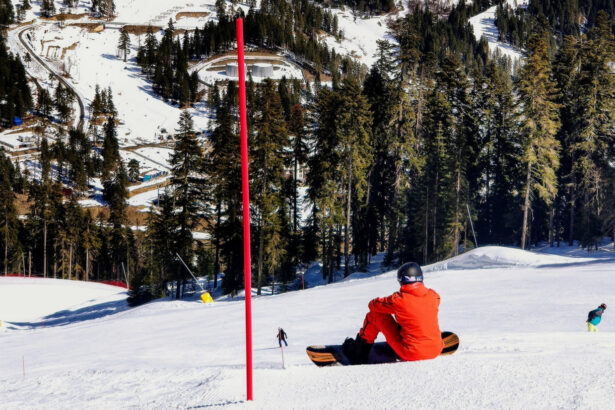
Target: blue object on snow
[[17, 121]]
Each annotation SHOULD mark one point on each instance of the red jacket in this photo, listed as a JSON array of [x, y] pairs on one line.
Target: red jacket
[[416, 310]]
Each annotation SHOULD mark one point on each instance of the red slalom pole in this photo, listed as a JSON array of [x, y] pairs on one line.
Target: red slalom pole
[[246, 203]]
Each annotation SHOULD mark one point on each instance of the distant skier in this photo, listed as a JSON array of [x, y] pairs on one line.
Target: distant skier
[[282, 337], [594, 317], [408, 319]]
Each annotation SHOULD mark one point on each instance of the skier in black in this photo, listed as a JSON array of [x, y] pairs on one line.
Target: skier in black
[[282, 336]]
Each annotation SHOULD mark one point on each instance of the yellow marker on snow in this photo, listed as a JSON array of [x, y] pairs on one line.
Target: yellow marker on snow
[[206, 298]]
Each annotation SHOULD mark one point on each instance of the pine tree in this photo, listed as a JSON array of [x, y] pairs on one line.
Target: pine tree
[[186, 161], [595, 121], [90, 240], [110, 149], [96, 107], [497, 159], [133, 170], [9, 224], [223, 169], [539, 123], [63, 101], [115, 194], [44, 103], [124, 42], [267, 172]]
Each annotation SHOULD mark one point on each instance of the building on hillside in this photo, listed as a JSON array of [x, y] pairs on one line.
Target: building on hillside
[[262, 70]]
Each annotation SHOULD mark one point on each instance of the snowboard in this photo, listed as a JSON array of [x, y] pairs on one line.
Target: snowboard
[[381, 352]]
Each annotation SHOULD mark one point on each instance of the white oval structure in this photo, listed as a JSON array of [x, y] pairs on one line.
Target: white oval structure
[[232, 70], [262, 70]]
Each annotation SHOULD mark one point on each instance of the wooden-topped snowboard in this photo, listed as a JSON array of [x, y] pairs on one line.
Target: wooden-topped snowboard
[[381, 352]]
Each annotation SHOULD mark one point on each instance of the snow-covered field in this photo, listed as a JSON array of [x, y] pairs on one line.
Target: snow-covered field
[[521, 321]]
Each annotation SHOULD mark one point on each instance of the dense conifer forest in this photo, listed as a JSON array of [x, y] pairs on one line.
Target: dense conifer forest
[[435, 149]]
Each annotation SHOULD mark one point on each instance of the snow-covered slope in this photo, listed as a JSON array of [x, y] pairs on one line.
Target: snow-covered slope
[[483, 24], [522, 329]]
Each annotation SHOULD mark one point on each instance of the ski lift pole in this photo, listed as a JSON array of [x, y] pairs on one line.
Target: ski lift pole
[[243, 121], [190, 272], [472, 225], [125, 277]]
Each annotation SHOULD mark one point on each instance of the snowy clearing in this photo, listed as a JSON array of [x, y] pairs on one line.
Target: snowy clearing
[[522, 328], [483, 24]]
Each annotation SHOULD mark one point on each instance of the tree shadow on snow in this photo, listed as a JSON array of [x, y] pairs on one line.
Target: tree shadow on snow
[[67, 317]]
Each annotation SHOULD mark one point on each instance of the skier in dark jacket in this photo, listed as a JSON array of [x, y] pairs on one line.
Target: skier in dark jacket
[[594, 317], [282, 336]]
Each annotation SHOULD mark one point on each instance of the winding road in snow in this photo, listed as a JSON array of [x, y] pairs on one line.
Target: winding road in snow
[[25, 44]]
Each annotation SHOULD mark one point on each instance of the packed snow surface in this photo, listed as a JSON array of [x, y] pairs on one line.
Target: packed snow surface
[[524, 342]]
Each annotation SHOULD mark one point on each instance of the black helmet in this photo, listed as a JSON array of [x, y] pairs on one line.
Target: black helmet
[[603, 306], [409, 273]]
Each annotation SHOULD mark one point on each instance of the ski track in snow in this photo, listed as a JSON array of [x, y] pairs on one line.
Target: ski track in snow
[[521, 323]]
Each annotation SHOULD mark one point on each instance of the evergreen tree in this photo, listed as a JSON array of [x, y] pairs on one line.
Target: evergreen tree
[[9, 224], [124, 42], [539, 123], [90, 240], [133, 170], [186, 161], [63, 100], [594, 124], [44, 103], [110, 149], [267, 171], [224, 170]]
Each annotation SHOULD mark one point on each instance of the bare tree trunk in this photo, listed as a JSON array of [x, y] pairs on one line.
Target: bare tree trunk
[[70, 262], [296, 171], [127, 263], [55, 262], [347, 228], [457, 234], [426, 246], [45, 249], [217, 260], [551, 226], [526, 205], [261, 246], [435, 212], [573, 199], [87, 264], [419, 106], [6, 244], [30, 263]]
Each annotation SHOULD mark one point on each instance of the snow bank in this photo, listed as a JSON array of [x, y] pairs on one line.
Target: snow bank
[[29, 299], [488, 257]]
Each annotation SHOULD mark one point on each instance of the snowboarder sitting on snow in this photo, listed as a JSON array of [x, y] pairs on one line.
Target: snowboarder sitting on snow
[[282, 337], [594, 317], [408, 319]]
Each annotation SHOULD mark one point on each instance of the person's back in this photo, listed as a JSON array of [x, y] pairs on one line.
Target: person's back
[[416, 311], [408, 319]]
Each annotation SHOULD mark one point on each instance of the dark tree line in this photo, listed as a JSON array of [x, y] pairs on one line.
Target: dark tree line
[[15, 94], [435, 143]]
